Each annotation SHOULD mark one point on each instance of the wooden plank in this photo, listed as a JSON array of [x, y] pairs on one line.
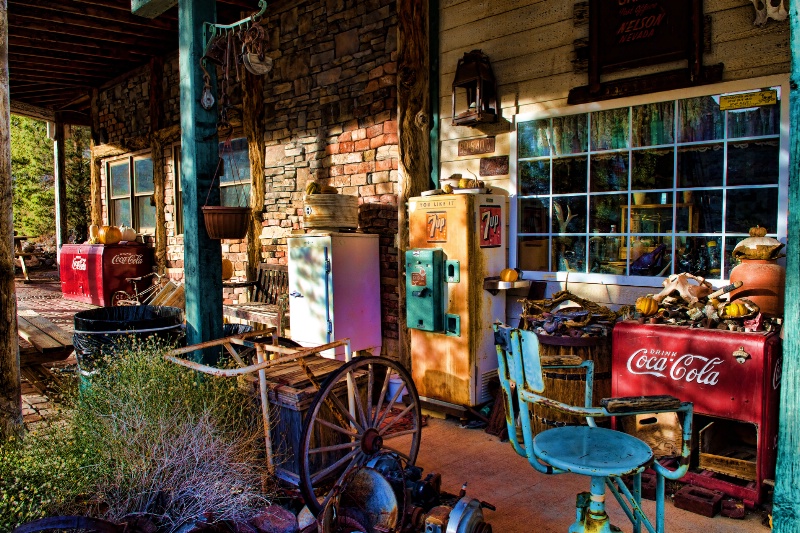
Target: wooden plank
[[51, 329], [39, 339], [786, 512]]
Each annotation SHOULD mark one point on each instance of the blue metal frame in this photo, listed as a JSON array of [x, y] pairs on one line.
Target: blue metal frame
[[520, 373]]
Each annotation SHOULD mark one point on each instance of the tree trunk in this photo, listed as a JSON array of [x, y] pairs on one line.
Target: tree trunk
[[97, 200], [414, 124], [10, 388], [253, 126]]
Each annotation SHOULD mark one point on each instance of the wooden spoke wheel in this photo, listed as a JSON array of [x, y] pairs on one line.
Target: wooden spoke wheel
[[339, 436]]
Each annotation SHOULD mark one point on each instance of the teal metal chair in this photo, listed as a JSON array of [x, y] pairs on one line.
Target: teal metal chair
[[604, 455]]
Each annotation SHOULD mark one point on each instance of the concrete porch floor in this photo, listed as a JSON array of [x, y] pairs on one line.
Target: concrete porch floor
[[528, 501], [525, 500]]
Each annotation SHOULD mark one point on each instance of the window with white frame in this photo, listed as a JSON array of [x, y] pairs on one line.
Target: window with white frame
[[130, 193], [650, 189]]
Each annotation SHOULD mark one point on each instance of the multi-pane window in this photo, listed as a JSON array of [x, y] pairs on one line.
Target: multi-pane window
[[234, 183], [647, 190], [130, 193]]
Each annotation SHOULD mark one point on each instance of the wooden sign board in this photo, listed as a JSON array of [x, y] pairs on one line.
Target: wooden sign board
[[494, 166], [745, 100], [632, 33], [476, 146]]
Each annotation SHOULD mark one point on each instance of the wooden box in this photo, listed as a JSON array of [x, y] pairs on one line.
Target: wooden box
[[730, 448], [291, 394]]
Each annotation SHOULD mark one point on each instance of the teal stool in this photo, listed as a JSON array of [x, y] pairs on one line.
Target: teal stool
[[604, 455]]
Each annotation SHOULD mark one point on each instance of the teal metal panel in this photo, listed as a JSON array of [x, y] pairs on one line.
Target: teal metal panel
[[151, 8], [425, 289], [202, 256], [786, 512]]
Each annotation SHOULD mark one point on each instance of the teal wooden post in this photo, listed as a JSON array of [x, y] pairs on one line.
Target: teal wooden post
[[786, 508], [202, 256]]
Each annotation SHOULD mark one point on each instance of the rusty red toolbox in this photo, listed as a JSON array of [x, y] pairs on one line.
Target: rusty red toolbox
[[91, 273], [733, 379]]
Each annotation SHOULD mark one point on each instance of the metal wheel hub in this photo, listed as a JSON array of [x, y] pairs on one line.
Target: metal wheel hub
[[371, 442]]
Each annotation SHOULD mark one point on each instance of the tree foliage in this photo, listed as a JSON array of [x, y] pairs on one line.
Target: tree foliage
[[32, 169]]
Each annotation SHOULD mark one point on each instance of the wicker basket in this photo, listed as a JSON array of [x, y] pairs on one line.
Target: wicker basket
[[226, 222]]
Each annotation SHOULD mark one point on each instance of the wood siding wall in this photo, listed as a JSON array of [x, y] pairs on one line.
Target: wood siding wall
[[532, 48]]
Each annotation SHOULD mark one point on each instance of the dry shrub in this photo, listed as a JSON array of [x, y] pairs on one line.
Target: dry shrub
[[165, 440]]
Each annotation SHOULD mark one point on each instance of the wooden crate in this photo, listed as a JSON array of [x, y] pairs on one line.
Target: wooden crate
[[663, 432], [290, 395], [730, 448]]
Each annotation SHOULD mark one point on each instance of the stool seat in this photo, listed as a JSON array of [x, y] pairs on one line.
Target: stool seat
[[592, 451]]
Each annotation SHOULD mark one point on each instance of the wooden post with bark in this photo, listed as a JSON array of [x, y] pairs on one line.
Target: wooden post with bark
[[786, 514], [413, 126], [95, 187], [60, 178], [253, 126], [10, 387]]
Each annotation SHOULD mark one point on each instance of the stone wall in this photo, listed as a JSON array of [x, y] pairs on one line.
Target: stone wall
[[330, 106]]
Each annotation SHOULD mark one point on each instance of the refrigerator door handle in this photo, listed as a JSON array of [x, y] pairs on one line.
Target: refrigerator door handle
[[295, 294]]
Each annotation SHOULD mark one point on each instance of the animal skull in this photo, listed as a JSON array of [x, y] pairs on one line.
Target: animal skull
[[680, 283], [769, 9]]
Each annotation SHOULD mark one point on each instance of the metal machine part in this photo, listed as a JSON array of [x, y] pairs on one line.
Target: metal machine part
[[465, 517]]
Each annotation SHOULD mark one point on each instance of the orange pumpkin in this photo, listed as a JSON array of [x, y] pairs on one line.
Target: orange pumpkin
[[109, 235], [227, 268], [509, 274]]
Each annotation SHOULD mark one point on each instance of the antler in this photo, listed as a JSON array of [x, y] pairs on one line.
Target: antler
[[562, 222]]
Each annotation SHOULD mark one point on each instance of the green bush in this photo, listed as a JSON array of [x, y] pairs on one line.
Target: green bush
[[146, 435]]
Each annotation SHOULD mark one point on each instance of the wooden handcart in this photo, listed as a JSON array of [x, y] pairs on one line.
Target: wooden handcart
[[350, 420]]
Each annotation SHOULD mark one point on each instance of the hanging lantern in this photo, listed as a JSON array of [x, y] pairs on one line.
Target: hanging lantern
[[474, 90]]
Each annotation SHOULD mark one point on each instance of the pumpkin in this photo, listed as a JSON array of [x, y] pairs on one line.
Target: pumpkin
[[509, 274], [128, 233], [646, 305], [736, 310], [227, 268], [109, 235], [758, 231]]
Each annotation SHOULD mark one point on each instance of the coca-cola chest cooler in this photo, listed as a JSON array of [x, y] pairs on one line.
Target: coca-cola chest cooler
[[733, 379], [91, 273]]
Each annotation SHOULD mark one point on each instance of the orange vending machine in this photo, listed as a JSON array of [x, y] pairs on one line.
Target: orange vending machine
[[456, 242]]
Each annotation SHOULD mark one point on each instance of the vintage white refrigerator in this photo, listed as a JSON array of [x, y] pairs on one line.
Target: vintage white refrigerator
[[334, 290], [454, 361]]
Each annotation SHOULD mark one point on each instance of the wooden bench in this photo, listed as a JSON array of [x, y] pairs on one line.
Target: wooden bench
[[269, 298], [50, 342]]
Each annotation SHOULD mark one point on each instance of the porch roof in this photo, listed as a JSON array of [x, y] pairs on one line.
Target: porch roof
[[58, 51]]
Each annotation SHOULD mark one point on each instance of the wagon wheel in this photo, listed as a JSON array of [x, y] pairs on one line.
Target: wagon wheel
[[334, 441]]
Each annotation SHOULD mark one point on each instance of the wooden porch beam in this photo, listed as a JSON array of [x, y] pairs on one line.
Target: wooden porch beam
[[56, 54], [202, 256], [60, 179], [110, 29], [61, 67], [27, 110], [786, 512], [118, 17], [32, 41], [10, 384], [414, 125]]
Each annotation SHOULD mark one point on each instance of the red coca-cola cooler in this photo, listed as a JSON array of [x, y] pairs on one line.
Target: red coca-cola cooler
[[733, 379], [91, 273]]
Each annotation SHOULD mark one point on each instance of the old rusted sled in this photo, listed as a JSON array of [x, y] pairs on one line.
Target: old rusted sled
[[602, 454], [353, 417]]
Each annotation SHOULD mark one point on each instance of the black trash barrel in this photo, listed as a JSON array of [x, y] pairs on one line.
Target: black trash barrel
[[97, 331]]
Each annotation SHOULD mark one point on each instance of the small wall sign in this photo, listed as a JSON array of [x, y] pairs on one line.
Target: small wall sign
[[491, 226], [476, 146], [745, 100], [437, 226], [494, 166]]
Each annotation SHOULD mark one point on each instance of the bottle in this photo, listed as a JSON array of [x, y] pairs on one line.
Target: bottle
[[702, 264], [612, 246], [714, 269]]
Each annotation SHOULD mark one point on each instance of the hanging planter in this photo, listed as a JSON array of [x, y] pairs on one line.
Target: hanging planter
[[224, 222]]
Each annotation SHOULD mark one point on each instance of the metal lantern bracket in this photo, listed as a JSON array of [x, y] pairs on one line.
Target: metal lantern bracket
[[211, 30]]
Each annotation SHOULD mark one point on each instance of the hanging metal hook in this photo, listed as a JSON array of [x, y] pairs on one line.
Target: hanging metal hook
[[212, 30]]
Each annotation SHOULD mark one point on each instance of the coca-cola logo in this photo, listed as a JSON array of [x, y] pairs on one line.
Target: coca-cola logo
[[127, 259], [78, 263], [687, 367]]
